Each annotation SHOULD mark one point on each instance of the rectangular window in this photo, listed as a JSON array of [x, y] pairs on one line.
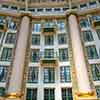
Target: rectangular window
[[49, 53], [35, 55], [92, 52], [2, 20], [48, 9], [63, 54], [67, 94], [11, 25], [96, 72], [2, 91], [49, 94], [35, 39], [1, 36], [6, 54], [98, 33], [65, 74], [49, 75], [84, 23], [61, 25], [62, 39], [83, 6], [33, 75], [31, 94], [3, 73], [87, 35], [49, 40], [98, 91], [36, 27], [93, 4], [48, 24], [10, 39]]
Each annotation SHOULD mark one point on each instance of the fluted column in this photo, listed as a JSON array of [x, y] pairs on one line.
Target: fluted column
[[84, 88], [15, 84]]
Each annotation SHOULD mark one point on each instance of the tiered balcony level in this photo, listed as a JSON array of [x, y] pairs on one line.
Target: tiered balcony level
[[49, 59], [48, 28], [96, 21]]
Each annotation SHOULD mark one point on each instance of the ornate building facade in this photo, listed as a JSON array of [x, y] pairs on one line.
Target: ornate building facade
[[49, 49]]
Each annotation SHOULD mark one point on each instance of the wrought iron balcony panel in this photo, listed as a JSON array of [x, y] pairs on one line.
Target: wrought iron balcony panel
[[2, 27], [96, 23], [47, 59], [48, 30]]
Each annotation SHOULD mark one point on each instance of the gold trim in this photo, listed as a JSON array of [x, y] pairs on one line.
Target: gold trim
[[85, 94], [14, 95], [71, 12], [26, 14]]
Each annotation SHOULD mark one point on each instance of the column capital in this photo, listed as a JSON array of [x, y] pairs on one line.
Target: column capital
[[28, 14], [71, 12]]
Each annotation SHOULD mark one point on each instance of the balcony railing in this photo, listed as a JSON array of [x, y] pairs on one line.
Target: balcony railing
[[48, 28], [48, 58], [96, 21]]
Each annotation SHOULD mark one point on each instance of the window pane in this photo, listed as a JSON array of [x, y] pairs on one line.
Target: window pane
[[65, 74], [98, 33], [61, 25], [11, 37], [6, 54], [11, 25], [3, 73], [87, 35], [63, 54], [67, 94], [1, 35], [36, 27], [31, 94], [49, 75], [62, 39], [35, 39], [92, 52], [84, 23], [33, 75], [49, 40], [98, 91], [96, 72], [35, 55], [2, 91], [49, 94], [49, 53]]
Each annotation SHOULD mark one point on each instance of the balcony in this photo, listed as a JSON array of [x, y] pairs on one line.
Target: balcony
[[48, 28], [96, 21], [2, 25], [49, 59]]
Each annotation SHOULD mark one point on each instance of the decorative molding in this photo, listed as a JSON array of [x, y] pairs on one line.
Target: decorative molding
[[14, 95]]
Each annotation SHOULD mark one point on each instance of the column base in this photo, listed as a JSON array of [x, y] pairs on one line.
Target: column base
[[85, 96], [2, 98], [12, 99], [14, 96]]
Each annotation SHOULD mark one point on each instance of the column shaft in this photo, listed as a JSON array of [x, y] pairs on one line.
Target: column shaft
[[78, 55], [18, 64]]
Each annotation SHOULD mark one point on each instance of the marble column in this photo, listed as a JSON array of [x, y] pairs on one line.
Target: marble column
[[15, 84], [84, 88]]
